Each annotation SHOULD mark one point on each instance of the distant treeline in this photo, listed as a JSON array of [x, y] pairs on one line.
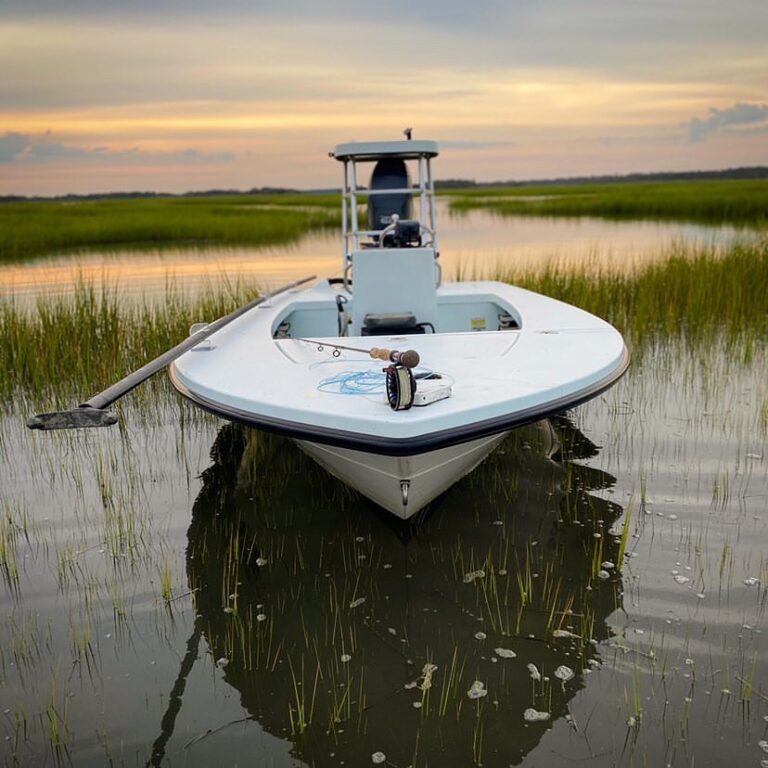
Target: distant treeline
[[756, 172], [149, 195]]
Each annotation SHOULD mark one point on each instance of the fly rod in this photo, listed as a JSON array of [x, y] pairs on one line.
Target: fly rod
[[400, 383], [410, 358]]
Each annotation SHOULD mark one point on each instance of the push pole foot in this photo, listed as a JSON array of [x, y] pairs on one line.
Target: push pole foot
[[77, 418]]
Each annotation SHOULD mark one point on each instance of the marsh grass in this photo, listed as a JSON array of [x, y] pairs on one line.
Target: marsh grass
[[83, 342], [694, 294], [31, 229], [335, 673], [739, 202], [284, 657]]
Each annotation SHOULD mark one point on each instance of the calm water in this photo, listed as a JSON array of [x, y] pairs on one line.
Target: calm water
[[179, 591], [185, 592], [478, 241]]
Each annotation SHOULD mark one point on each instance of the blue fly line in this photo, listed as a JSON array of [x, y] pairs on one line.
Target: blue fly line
[[355, 383], [365, 382]]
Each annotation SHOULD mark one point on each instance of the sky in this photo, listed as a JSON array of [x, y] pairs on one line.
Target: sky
[[179, 95]]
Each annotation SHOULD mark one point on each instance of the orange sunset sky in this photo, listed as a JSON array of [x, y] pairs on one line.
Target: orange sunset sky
[[182, 95]]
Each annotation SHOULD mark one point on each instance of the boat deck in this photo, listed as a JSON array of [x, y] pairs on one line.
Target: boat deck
[[559, 357]]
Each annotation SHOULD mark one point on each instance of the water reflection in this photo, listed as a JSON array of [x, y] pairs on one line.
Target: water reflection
[[349, 632], [476, 242]]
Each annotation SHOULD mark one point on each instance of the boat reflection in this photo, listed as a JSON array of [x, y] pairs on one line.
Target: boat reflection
[[349, 632]]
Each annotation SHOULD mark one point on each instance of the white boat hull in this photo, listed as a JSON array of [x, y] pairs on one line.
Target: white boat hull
[[555, 358], [402, 485], [308, 364]]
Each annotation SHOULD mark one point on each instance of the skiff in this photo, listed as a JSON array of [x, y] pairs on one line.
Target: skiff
[[393, 380]]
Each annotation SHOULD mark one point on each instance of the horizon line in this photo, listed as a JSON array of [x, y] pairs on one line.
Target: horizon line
[[744, 172]]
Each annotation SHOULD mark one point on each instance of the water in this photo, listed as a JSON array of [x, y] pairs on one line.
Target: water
[[182, 591], [179, 591], [477, 241]]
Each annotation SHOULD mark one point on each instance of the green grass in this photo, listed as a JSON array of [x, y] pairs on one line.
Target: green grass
[[32, 229], [714, 202], [694, 293], [85, 341]]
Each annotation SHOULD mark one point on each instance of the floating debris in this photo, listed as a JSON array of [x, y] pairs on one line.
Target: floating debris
[[355, 603], [412, 684], [608, 565], [631, 721], [504, 653], [222, 662], [755, 456], [559, 633], [472, 575], [594, 663], [564, 673], [535, 674], [533, 716], [345, 657], [763, 745], [681, 579], [261, 561], [377, 758], [603, 575], [752, 581], [416, 704], [477, 690], [261, 617], [426, 673], [480, 635]]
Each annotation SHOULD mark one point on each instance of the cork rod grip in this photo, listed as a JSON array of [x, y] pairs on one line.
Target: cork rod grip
[[410, 358]]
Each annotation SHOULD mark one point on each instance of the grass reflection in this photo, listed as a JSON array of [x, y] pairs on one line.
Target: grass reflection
[[351, 632]]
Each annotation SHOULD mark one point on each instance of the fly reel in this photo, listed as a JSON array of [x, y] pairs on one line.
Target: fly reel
[[401, 387]]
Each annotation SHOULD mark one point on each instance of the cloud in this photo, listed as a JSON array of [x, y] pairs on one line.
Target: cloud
[[42, 148], [722, 120], [12, 145]]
